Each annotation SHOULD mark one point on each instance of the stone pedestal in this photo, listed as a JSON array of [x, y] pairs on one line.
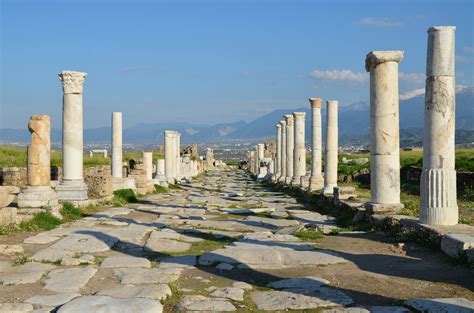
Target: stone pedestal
[[299, 151], [330, 162], [278, 152], [384, 131], [170, 155], [316, 181], [290, 146], [72, 187], [283, 152], [117, 144], [438, 179]]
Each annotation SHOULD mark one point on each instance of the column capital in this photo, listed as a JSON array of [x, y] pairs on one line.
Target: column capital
[[441, 28], [283, 126], [72, 82], [316, 102], [299, 115], [288, 118], [375, 58], [278, 125]]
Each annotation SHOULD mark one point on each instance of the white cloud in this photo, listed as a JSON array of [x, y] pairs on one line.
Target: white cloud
[[411, 94], [380, 22], [347, 75], [412, 77]]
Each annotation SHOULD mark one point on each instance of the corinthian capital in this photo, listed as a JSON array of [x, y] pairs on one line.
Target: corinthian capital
[[72, 82]]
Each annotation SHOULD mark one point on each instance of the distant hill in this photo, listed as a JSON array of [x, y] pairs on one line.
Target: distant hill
[[354, 126]]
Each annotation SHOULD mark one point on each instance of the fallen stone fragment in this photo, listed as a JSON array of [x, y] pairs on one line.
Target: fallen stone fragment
[[69, 280], [201, 303], [154, 292], [147, 276], [15, 308], [456, 245], [103, 304], [54, 300], [232, 293], [458, 305], [124, 262]]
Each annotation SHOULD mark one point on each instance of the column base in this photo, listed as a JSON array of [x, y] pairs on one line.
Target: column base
[[304, 182], [328, 190], [315, 183], [383, 208], [72, 190], [287, 180], [34, 199], [296, 181]]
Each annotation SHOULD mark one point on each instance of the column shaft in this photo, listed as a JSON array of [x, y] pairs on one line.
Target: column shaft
[[316, 181], [330, 161], [169, 154], [278, 152], [299, 154], [290, 146], [283, 151], [117, 144]]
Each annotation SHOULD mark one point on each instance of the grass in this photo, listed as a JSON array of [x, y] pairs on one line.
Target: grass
[[70, 213], [124, 196], [160, 189], [21, 261], [41, 221], [309, 234]]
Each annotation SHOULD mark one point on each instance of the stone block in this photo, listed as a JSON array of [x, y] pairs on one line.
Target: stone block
[[383, 208], [99, 181], [456, 245], [344, 192], [13, 176], [8, 215], [7, 195]]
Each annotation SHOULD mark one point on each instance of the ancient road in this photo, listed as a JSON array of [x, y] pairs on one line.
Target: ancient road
[[223, 243]]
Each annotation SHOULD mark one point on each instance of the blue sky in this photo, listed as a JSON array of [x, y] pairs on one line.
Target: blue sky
[[211, 61]]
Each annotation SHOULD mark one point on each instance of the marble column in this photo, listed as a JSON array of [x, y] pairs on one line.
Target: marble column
[[316, 181], [330, 160], [170, 155], [160, 168], [72, 187], [384, 131], [117, 144], [278, 152], [148, 161], [283, 152], [438, 178], [299, 151], [252, 161], [256, 161], [290, 146], [178, 155], [261, 156]]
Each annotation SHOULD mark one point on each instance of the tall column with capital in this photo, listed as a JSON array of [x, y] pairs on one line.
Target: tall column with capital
[[117, 144], [282, 177], [330, 160], [72, 187], [277, 166], [438, 178], [290, 146], [299, 151], [170, 155], [384, 131], [316, 181]]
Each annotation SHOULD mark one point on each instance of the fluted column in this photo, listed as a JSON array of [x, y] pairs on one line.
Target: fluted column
[[299, 151], [282, 177], [384, 131], [72, 186], [438, 179], [148, 161], [170, 155], [278, 152], [330, 160], [316, 181], [290, 146], [117, 144]]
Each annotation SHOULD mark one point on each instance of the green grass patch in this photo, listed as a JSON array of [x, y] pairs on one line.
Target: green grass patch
[[70, 212], [21, 261], [124, 196], [160, 189], [309, 234], [174, 186], [41, 221]]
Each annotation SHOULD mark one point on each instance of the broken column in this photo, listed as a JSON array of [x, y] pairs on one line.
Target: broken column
[[283, 152], [330, 160], [384, 131], [299, 154], [148, 161], [438, 178], [72, 187], [160, 169], [290, 146], [117, 144], [170, 155], [38, 193], [316, 181], [277, 166]]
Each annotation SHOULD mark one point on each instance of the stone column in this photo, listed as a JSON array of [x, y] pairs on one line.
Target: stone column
[[160, 168], [72, 187], [252, 161], [290, 146], [316, 181], [330, 160], [283, 152], [117, 144], [178, 155], [278, 152], [384, 131], [38, 193], [256, 160], [438, 178], [148, 161], [261, 156], [299, 154], [170, 155]]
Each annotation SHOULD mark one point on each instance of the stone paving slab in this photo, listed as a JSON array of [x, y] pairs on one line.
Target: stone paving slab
[[103, 304], [69, 280], [441, 305]]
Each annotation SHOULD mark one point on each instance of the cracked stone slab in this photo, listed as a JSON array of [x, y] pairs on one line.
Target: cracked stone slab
[[154, 292], [147, 276], [69, 280], [23, 274], [201, 303], [125, 261], [303, 283], [166, 245], [266, 221], [87, 242], [232, 293], [182, 261], [103, 304], [52, 301], [15, 308], [40, 239], [458, 305], [269, 236], [300, 300], [172, 234]]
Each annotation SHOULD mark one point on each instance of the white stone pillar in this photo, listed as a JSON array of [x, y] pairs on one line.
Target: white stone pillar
[[256, 161], [178, 155], [261, 155], [170, 155], [438, 179], [72, 187], [330, 160], [252, 161], [299, 151], [384, 131], [282, 177], [316, 181], [290, 146], [117, 144], [148, 161], [278, 152], [160, 168]]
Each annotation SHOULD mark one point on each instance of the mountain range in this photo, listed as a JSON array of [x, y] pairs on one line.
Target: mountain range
[[354, 126]]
